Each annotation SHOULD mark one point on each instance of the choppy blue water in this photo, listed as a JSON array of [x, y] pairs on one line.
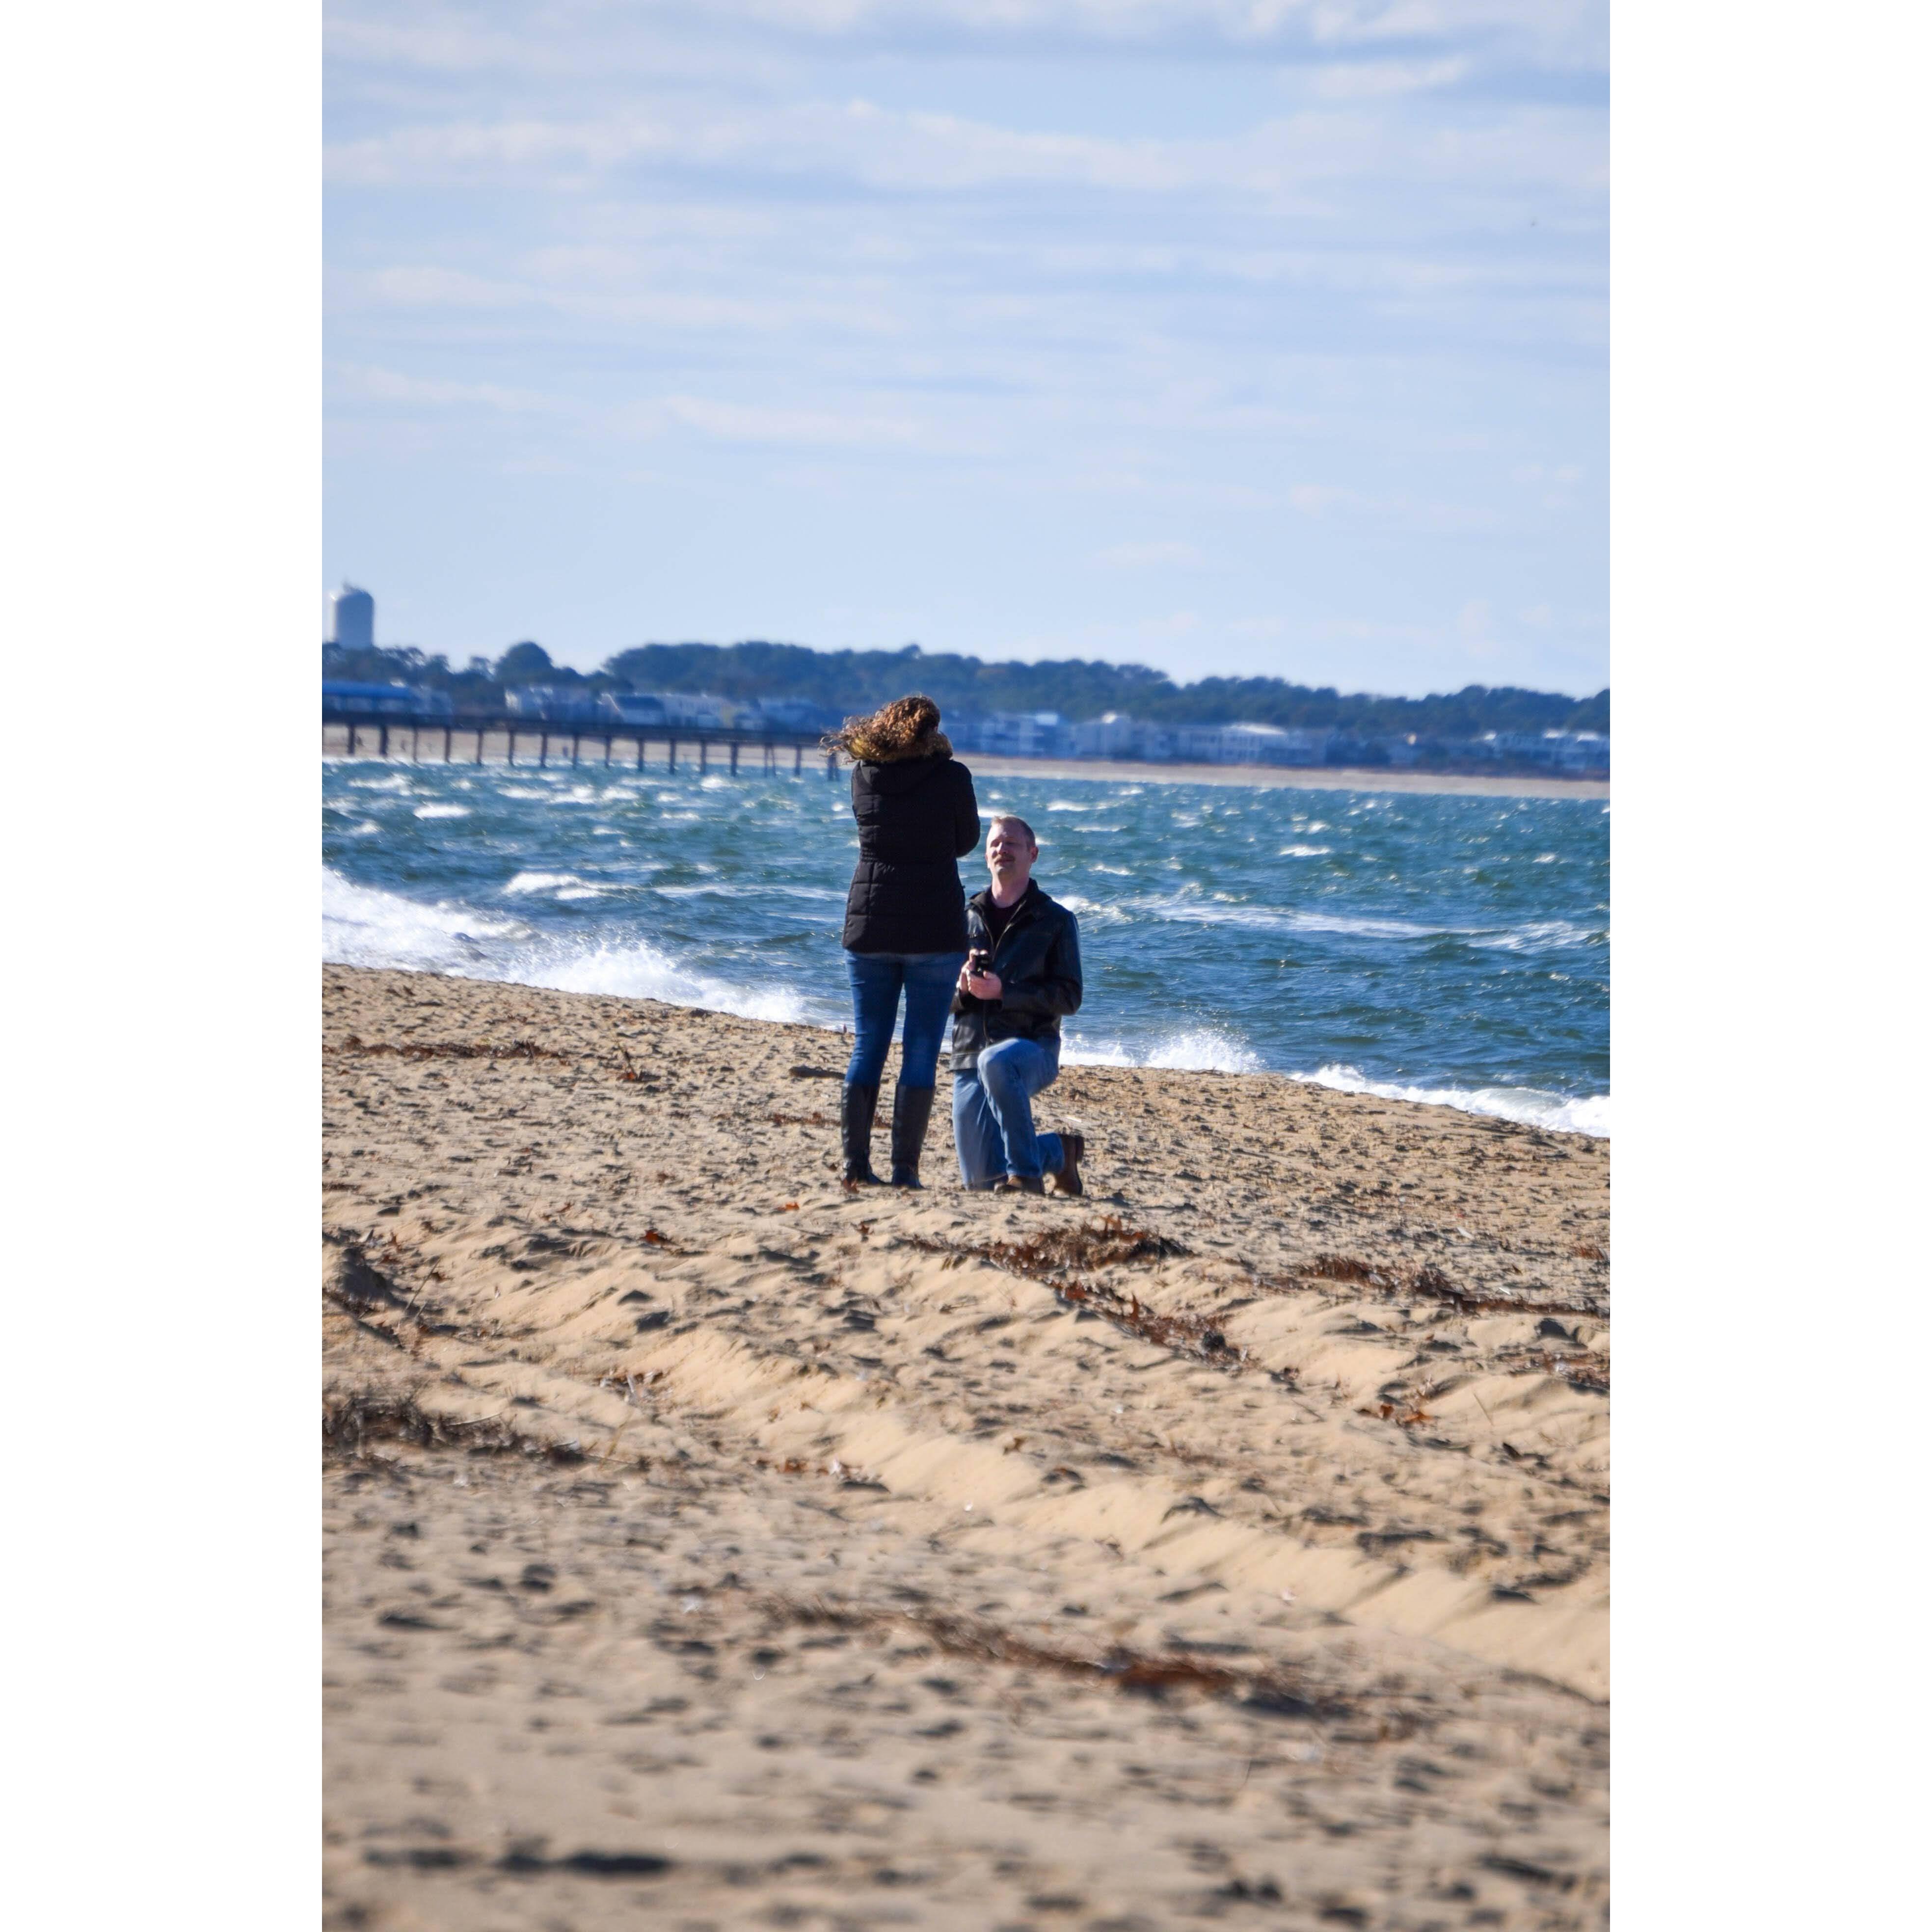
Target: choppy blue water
[[1450, 949]]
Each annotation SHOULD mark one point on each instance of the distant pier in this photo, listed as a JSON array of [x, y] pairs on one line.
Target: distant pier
[[499, 737]]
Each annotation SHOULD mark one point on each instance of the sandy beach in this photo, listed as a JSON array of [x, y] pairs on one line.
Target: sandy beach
[[708, 1546], [1293, 777]]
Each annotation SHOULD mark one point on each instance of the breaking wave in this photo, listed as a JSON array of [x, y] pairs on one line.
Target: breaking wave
[[362, 925], [1531, 1106]]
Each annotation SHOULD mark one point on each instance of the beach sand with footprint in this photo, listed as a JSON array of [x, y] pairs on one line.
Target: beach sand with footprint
[[707, 1545]]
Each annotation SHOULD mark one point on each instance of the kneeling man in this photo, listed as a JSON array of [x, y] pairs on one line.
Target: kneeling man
[[1022, 976]]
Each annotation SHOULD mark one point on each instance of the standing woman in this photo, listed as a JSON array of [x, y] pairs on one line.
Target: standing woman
[[905, 918]]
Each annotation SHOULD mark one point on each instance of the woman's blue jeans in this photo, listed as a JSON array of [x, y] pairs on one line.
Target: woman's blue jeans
[[927, 980]]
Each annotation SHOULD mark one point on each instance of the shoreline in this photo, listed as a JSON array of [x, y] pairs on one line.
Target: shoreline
[[704, 1540], [1301, 777], [1382, 1091]]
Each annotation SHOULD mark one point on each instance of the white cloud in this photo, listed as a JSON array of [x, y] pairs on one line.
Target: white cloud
[[1149, 556], [589, 36], [1292, 159], [1175, 624], [738, 423], [1369, 80], [389, 385], [654, 416], [1311, 499], [802, 267]]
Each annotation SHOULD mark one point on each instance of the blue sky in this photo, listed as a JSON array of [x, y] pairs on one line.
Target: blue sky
[[1261, 337]]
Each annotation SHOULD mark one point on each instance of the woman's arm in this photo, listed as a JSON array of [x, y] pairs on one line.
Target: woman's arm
[[965, 814]]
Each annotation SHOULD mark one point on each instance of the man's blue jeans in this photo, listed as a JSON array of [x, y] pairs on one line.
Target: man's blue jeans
[[992, 1114], [927, 980]]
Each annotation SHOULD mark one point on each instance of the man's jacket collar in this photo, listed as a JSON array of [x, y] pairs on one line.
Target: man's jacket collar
[[1028, 901]]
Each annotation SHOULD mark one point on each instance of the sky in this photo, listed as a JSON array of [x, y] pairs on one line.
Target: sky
[[1232, 337]]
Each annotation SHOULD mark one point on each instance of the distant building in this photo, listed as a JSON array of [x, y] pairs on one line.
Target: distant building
[[633, 707], [554, 703], [697, 711], [1113, 735], [1014, 734], [351, 619], [1584, 751], [1252, 744], [784, 714], [1579, 753], [382, 700]]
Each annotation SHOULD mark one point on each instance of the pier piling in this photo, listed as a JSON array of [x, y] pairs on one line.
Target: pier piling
[[481, 726]]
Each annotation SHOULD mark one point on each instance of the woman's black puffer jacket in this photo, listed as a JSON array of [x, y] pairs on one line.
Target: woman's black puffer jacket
[[917, 817]]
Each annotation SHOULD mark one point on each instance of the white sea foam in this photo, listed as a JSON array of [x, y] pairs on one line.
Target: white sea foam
[[545, 882], [1539, 935], [442, 811], [1270, 919], [640, 971], [1304, 851], [1531, 1106], [1197, 1049], [362, 925], [1095, 912]]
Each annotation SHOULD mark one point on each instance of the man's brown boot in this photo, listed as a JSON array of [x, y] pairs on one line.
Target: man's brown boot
[[1073, 1148]]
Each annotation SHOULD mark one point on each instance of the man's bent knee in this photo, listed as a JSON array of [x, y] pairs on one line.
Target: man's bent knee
[[1000, 1064]]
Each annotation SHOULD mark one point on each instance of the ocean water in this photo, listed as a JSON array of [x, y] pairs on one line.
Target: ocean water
[[1452, 950]]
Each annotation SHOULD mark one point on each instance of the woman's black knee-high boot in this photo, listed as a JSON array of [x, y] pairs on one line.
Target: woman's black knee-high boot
[[912, 1108], [857, 1106]]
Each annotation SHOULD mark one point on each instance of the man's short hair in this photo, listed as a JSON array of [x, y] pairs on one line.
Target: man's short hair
[[1013, 818]]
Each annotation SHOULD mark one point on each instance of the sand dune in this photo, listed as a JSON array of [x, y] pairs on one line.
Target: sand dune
[[707, 1543]]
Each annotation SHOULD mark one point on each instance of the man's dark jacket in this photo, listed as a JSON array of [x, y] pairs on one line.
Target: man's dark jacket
[[1038, 962], [917, 817]]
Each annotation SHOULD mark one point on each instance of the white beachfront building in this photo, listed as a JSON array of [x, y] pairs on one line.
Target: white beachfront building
[[697, 711], [1112, 735], [1017, 734], [1252, 744]]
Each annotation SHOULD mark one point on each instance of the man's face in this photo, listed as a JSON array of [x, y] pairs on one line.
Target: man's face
[[1009, 854]]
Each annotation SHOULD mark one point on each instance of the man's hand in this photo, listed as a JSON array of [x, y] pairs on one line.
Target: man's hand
[[981, 985]]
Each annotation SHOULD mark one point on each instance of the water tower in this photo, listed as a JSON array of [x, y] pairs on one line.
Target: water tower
[[351, 619]]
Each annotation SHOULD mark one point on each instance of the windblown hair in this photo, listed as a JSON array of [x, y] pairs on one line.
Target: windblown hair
[[907, 727]]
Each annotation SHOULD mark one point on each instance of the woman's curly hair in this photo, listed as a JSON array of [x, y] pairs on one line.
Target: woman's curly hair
[[907, 727]]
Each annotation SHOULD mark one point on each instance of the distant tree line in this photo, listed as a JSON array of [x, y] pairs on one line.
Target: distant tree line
[[842, 682]]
